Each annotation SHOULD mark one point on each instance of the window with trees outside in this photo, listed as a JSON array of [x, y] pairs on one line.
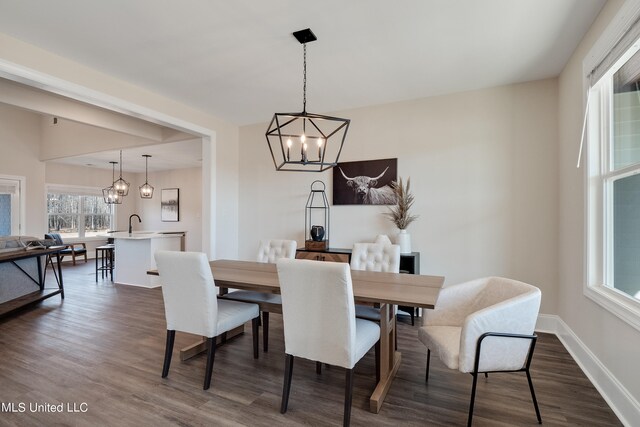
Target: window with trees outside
[[614, 187], [78, 214]]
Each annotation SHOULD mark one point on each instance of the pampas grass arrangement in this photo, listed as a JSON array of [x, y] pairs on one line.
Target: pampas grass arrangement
[[399, 214]]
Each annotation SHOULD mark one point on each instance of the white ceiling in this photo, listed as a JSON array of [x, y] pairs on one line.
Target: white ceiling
[[168, 156], [237, 59]]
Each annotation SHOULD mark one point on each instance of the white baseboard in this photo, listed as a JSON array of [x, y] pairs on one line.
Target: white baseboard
[[623, 403]]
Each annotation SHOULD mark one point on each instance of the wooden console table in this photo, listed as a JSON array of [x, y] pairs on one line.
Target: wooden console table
[[42, 293]]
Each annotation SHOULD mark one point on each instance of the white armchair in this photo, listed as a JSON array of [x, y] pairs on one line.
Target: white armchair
[[319, 321], [269, 252], [191, 305], [481, 326]]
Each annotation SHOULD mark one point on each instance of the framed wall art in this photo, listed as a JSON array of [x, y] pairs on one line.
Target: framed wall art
[[170, 205], [365, 182]]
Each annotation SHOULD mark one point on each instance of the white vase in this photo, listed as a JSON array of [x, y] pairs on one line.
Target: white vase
[[404, 241]]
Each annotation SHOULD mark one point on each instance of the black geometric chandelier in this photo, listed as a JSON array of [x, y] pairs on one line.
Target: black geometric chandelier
[[305, 142], [110, 194], [121, 186], [146, 190]]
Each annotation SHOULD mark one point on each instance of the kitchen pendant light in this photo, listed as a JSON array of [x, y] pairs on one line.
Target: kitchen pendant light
[[294, 137], [121, 186], [146, 191], [110, 194]]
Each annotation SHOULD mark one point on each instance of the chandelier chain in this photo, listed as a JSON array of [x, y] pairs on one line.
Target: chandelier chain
[[304, 80]]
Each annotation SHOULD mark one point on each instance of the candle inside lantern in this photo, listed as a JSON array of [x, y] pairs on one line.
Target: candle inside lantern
[[320, 149], [289, 142], [302, 146], [304, 152]]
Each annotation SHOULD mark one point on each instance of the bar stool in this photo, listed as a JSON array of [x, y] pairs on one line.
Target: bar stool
[[105, 257]]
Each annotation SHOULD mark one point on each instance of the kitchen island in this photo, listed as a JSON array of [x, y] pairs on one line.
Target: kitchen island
[[134, 254]]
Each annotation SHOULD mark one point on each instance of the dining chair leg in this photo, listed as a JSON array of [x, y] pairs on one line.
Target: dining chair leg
[[286, 388], [171, 336], [473, 397], [318, 368], [426, 377], [256, 335], [265, 331], [533, 397], [348, 395], [211, 354]]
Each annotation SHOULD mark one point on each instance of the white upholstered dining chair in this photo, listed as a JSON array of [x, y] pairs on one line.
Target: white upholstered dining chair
[[191, 305], [382, 257], [483, 326], [319, 321], [269, 252]]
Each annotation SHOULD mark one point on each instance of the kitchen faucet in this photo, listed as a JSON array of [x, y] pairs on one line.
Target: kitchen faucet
[[131, 216]]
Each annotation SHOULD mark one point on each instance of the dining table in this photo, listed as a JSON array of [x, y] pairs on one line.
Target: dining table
[[385, 290]]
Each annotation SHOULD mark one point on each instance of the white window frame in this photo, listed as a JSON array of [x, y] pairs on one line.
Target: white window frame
[[78, 191], [599, 200]]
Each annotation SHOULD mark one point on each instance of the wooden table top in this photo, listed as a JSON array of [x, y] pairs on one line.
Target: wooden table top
[[392, 288], [22, 253]]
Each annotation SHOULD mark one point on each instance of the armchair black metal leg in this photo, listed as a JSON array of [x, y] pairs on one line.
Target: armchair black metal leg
[[348, 395], [256, 335], [426, 377], [211, 354], [171, 336], [265, 331], [286, 388], [413, 316], [533, 397], [473, 398]]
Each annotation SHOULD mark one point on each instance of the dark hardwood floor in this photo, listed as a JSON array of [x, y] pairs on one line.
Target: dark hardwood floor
[[103, 347]]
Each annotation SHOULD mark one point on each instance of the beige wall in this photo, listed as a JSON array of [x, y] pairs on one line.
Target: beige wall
[[483, 168], [613, 342], [189, 181], [20, 149]]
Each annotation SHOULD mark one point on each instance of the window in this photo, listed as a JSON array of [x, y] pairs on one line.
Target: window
[[74, 213], [614, 188]]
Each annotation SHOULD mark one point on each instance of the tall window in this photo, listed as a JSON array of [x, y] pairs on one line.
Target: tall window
[[74, 214], [614, 185]]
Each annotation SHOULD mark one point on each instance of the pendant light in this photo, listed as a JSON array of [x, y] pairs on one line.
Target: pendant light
[[121, 186], [146, 191], [293, 137], [110, 194]]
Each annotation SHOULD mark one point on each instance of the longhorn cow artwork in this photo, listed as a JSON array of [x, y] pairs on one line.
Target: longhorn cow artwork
[[365, 182]]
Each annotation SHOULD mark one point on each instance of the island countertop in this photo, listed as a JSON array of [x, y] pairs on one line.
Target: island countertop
[[138, 235], [134, 254]]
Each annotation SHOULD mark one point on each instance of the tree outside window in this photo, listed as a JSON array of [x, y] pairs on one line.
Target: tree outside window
[[77, 215]]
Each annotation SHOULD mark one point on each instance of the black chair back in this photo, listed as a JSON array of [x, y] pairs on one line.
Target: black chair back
[[55, 237]]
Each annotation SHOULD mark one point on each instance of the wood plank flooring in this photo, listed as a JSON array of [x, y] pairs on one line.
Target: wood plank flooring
[[103, 346]]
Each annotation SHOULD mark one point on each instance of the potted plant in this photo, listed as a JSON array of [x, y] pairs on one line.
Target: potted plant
[[399, 213]]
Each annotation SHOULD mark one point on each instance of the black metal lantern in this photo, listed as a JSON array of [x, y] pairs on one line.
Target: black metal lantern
[[305, 142], [110, 194], [146, 190], [121, 186], [316, 218]]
